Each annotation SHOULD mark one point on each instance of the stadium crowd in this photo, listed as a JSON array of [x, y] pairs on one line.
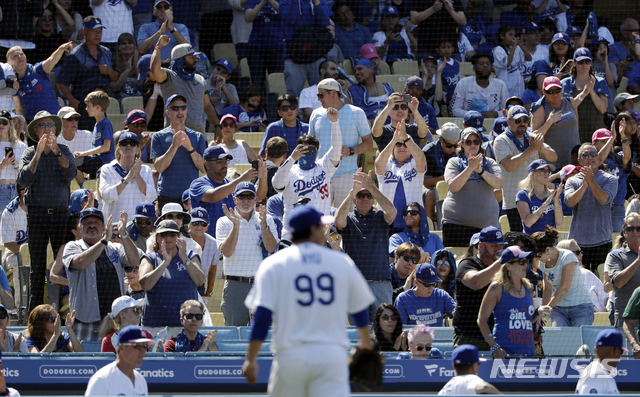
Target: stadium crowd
[[539, 202]]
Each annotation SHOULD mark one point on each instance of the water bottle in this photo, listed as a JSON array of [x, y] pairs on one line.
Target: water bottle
[[161, 336]]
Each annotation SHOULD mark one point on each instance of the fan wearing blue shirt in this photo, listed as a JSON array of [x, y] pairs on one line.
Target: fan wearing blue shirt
[[350, 35], [425, 303]]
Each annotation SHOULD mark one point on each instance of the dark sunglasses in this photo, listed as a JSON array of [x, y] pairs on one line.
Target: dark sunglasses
[[44, 125], [129, 142], [228, 125], [163, 7], [557, 91], [401, 144], [176, 108], [199, 223], [579, 252], [409, 258], [590, 154], [3, 315], [47, 18], [402, 106], [520, 261], [321, 94], [544, 172], [190, 316], [4, 122], [521, 119], [74, 118], [286, 108], [147, 222], [140, 124], [632, 228], [584, 62], [450, 145], [428, 285], [411, 212], [246, 196], [474, 142], [387, 317], [361, 196], [421, 347], [173, 216], [169, 234], [52, 319]]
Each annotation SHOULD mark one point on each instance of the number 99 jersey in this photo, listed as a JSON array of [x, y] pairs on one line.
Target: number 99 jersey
[[310, 290]]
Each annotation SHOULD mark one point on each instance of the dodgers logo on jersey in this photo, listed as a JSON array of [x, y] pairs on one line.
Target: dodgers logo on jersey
[[302, 187], [410, 174], [390, 177]]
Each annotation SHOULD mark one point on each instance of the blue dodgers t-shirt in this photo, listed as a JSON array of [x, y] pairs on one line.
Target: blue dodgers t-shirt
[[612, 167], [179, 174], [4, 282], [428, 114], [244, 117], [534, 203], [101, 131], [267, 29], [365, 239], [35, 92], [173, 288], [197, 189], [289, 134], [61, 343], [428, 311]]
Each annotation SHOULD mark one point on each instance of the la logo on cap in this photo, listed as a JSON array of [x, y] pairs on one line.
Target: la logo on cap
[[144, 210]]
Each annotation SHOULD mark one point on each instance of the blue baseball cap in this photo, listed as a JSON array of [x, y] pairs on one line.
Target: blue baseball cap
[[134, 116], [185, 195], [91, 212], [475, 239], [491, 235], [414, 81], [144, 65], [216, 152], [128, 135], [561, 36], [245, 187], [305, 216], [427, 273], [228, 65], [540, 164], [200, 214], [390, 10], [466, 354], [500, 125], [95, 23], [571, 30], [530, 27], [474, 119], [145, 209], [172, 97], [581, 54], [75, 202], [516, 112], [597, 40], [364, 62], [610, 338], [634, 113], [155, 3], [513, 252], [133, 334]]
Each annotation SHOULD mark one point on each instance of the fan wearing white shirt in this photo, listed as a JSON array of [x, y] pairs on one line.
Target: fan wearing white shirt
[[77, 140]]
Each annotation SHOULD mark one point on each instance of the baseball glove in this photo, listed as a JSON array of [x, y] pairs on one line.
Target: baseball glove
[[365, 367]]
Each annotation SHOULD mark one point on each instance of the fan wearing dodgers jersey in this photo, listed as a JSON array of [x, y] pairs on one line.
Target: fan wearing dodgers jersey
[[310, 177], [308, 291]]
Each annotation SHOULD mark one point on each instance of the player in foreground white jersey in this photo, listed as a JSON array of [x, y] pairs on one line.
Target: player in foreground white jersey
[[120, 378], [598, 377], [308, 290], [466, 361]]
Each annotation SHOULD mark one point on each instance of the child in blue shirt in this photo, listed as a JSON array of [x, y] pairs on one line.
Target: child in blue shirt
[[103, 150], [448, 72]]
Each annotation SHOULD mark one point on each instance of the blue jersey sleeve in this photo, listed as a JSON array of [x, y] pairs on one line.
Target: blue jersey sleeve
[[4, 282]]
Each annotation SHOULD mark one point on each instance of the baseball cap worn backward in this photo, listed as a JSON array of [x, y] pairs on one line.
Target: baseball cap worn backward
[[43, 114], [182, 50], [450, 132], [514, 252], [216, 152], [540, 164], [331, 85], [427, 273], [491, 235], [172, 97], [610, 338], [133, 334], [305, 216]]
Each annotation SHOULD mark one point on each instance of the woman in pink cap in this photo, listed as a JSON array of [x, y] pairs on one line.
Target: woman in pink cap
[[556, 118], [239, 149]]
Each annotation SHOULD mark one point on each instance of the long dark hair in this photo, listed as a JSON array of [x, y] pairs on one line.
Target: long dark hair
[[383, 343], [503, 29], [554, 59]]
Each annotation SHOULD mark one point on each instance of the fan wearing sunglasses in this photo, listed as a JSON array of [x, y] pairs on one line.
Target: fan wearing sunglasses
[[508, 300], [445, 264], [398, 108], [210, 258], [387, 334], [400, 169], [125, 181], [190, 339], [125, 311], [76, 139], [416, 231], [44, 332], [420, 341], [407, 256], [141, 227], [239, 149], [470, 204], [425, 303], [288, 127]]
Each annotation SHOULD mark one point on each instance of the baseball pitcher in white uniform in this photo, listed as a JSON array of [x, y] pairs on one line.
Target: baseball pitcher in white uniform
[[307, 290], [466, 361], [598, 377]]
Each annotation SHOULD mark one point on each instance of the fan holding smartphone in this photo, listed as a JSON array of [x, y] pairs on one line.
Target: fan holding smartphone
[[13, 150]]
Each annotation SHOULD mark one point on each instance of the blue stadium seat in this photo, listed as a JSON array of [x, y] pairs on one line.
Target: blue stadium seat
[[561, 341], [590, 332], [443, 334], [443, 346], [224, 333], [352, 333], [91, 346], [165, 356], [245, 333], [240, 347]]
